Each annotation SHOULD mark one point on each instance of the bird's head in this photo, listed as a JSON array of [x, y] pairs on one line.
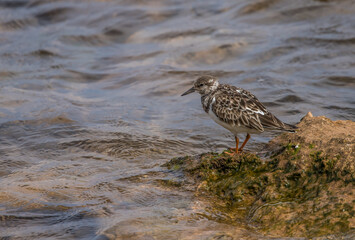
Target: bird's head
[[203, 85]]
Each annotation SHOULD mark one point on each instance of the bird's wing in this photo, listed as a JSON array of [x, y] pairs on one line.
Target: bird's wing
[[266, 118], [238, 107]]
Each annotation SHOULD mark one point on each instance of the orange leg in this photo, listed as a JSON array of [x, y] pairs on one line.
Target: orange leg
[[236, 147], [245, 142]]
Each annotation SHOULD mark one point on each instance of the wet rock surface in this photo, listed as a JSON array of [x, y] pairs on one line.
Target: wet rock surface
[[302, 187]]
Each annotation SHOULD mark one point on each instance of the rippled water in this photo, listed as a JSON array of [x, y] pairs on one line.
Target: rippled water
[[90, 104]]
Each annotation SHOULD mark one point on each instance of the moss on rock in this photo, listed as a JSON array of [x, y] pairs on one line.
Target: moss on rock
[[305, 187]]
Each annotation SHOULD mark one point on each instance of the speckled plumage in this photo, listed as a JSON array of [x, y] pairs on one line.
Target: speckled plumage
[[235, 108]]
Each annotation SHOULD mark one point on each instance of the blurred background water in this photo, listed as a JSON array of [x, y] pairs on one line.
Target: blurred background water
[[90, 104]]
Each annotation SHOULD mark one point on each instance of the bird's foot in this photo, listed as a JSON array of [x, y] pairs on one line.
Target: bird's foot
[[230, 153], [233, 152]]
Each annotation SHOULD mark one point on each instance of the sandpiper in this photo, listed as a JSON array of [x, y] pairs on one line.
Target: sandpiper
[[235, 109]]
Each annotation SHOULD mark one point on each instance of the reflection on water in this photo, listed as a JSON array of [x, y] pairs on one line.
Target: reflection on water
[[90, 105]]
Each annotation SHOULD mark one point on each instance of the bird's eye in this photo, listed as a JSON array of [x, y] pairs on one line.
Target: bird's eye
[[200, 85]]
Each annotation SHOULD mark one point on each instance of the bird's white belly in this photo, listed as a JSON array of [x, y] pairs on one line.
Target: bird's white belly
[[235, 129]]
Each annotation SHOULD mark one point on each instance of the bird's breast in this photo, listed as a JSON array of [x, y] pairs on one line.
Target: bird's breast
[[206, 101]]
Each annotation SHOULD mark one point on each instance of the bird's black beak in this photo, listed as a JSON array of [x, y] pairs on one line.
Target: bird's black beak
[[191, 90]]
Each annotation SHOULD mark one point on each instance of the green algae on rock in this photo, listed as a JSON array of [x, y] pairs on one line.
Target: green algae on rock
[[304, 187]]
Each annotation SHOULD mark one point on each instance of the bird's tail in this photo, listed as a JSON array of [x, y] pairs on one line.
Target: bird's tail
[[290, 127], [272, 122]]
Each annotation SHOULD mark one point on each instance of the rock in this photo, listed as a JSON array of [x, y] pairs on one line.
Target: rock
[[303, 187]]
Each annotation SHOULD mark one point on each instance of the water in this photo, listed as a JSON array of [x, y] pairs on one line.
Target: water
[[90, 105]]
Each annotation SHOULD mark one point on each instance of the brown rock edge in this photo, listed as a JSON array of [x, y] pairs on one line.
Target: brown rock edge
[[302, 187]]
